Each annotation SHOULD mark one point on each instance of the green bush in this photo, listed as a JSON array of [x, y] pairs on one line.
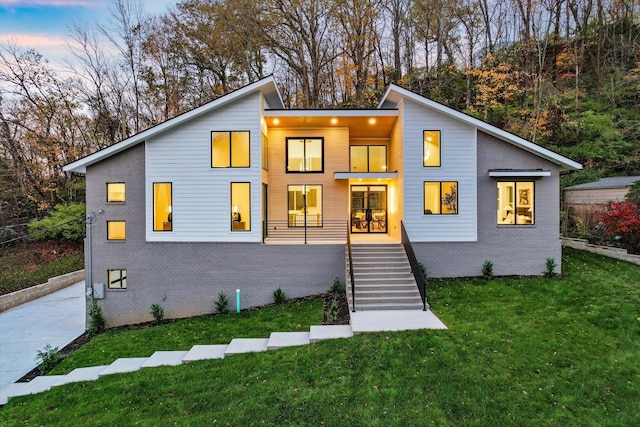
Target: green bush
[[221, 304], [332, 312], [48, 357], [337, 287], [279, 297], [487, 270], [62, 222], [158, 314], [550, 267], [97, 322], [423, 270]]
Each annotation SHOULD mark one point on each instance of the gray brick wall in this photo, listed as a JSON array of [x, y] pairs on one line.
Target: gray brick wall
[[185, 278], [514, 250]]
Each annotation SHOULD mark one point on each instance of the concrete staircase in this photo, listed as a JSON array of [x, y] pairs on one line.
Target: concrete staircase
[[383, 279], [174, 358]]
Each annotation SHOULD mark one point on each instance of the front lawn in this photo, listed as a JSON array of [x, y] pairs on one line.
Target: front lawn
[[545, 352]]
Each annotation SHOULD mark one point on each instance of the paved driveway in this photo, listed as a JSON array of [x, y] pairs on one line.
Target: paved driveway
[[55, 319]]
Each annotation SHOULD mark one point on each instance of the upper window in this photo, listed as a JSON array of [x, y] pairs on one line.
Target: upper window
[[115, 192], [116, 230], [117, 279], [431, 154], [440, 198], [305, 155], [162, 206], [305, 205], [368, 158], [230, 149], [240, 206], [265, 152], [515, 203]]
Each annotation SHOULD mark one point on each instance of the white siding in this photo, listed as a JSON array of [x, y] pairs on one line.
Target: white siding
[[458, 163], [201, 194]]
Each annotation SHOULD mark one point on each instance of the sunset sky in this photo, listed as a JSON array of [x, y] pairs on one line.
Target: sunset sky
[[43, 24]]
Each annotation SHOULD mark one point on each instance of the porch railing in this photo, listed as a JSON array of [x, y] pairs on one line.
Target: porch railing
[[415, 267], [353, 281], [311, 231]]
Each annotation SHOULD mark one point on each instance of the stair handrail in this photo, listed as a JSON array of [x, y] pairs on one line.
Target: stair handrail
[[353, 283], [421, 281]]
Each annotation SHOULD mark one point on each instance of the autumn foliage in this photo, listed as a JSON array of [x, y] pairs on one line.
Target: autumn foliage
[[623, 219]]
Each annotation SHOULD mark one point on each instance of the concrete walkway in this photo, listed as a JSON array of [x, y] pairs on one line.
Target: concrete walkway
[[55, 319]]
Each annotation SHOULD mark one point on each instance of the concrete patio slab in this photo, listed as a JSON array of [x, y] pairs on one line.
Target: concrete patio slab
[[122, 365], [394, 320], [328, 332], [55, 319], [205, 352], [246, 345], [287, 339], [85, 374], [164, 358]]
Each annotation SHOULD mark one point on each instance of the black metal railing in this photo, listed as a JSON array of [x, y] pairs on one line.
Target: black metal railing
[[415, 267], [353, 282], [310, 231]]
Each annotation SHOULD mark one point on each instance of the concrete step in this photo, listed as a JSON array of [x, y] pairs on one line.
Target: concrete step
[[205, 352], [85, 374], [287, 339], [122, 365], [246, 345], [361, 306], [328, 332], [164, 358]]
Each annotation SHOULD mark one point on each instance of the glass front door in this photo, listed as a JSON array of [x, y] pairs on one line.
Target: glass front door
[[368, 208]]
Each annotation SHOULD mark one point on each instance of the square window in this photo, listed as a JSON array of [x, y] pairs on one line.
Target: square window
[[115, 192], [515, 203], [305, 205], [431, 150], [230, 149], [441, 198], [117, 279], [116, 230], [305, 155]]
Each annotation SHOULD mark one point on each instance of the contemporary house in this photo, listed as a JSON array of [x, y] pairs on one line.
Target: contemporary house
[[242, 193], [584, 201]]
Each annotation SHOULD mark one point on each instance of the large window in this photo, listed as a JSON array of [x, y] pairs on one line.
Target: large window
[[515, 203], [440, 198], [162, 206], [431, 150], [117, 279], [115, 192], [305, 155], [230, 149], [305, 205], [240, 206], [368, 158], [116, 230]]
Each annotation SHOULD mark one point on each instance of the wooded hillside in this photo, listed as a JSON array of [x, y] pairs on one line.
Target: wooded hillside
[[562, 73]]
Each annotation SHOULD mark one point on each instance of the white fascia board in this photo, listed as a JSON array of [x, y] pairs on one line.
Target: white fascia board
[[266, 85], [519, 173], [395, 94]]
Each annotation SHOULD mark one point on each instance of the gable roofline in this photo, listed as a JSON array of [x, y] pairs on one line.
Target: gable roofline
[[394, 95], [266, 85]]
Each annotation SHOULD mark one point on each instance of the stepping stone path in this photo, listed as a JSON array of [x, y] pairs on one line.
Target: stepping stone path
[[173, 358]]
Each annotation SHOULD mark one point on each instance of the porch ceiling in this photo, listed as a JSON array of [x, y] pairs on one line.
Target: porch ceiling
[[362, 124]]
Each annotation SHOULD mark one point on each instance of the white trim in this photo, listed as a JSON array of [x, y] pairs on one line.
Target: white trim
[[332, 113], [266, 85], [516, 173], [394, 94]]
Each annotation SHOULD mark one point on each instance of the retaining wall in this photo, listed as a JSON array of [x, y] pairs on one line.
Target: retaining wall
[[616, 253], [25, 295]]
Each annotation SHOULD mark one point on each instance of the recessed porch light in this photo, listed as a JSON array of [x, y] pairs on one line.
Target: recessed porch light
[[372, 121], [276, 121], [334, 121]]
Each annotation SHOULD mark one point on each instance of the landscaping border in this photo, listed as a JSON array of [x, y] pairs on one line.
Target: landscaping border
[[616, 253], [53, 284]]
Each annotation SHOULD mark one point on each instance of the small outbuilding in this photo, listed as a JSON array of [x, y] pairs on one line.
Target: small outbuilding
[[585, 200]]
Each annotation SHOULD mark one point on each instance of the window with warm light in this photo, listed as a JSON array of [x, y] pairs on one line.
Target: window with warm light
[[116, 230], [305, 205], [368, 158], [431, 151], [230, 149], [115, 192], [117, 279], [305, 155], [440, 198], [162, 206], [515, 203], [265, 152], [240, 206]]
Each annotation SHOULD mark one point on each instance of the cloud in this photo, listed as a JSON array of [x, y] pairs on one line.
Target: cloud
[[39, 42], [54, 3]]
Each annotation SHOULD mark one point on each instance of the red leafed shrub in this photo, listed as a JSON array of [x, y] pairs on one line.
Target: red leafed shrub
[[623, 219]]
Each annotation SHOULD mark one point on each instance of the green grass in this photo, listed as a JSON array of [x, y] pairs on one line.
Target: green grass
[[549, 352]]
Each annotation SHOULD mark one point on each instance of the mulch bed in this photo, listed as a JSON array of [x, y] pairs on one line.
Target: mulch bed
[[343, 317]]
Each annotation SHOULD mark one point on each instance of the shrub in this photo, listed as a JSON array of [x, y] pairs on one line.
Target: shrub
[[334, 310], [623, 219], [97, 322], [279, 297], [221, 304], [337, 287], [550, 266], [62, 222], [487, 270], [423, 269], [47, 358], [158, 314]]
